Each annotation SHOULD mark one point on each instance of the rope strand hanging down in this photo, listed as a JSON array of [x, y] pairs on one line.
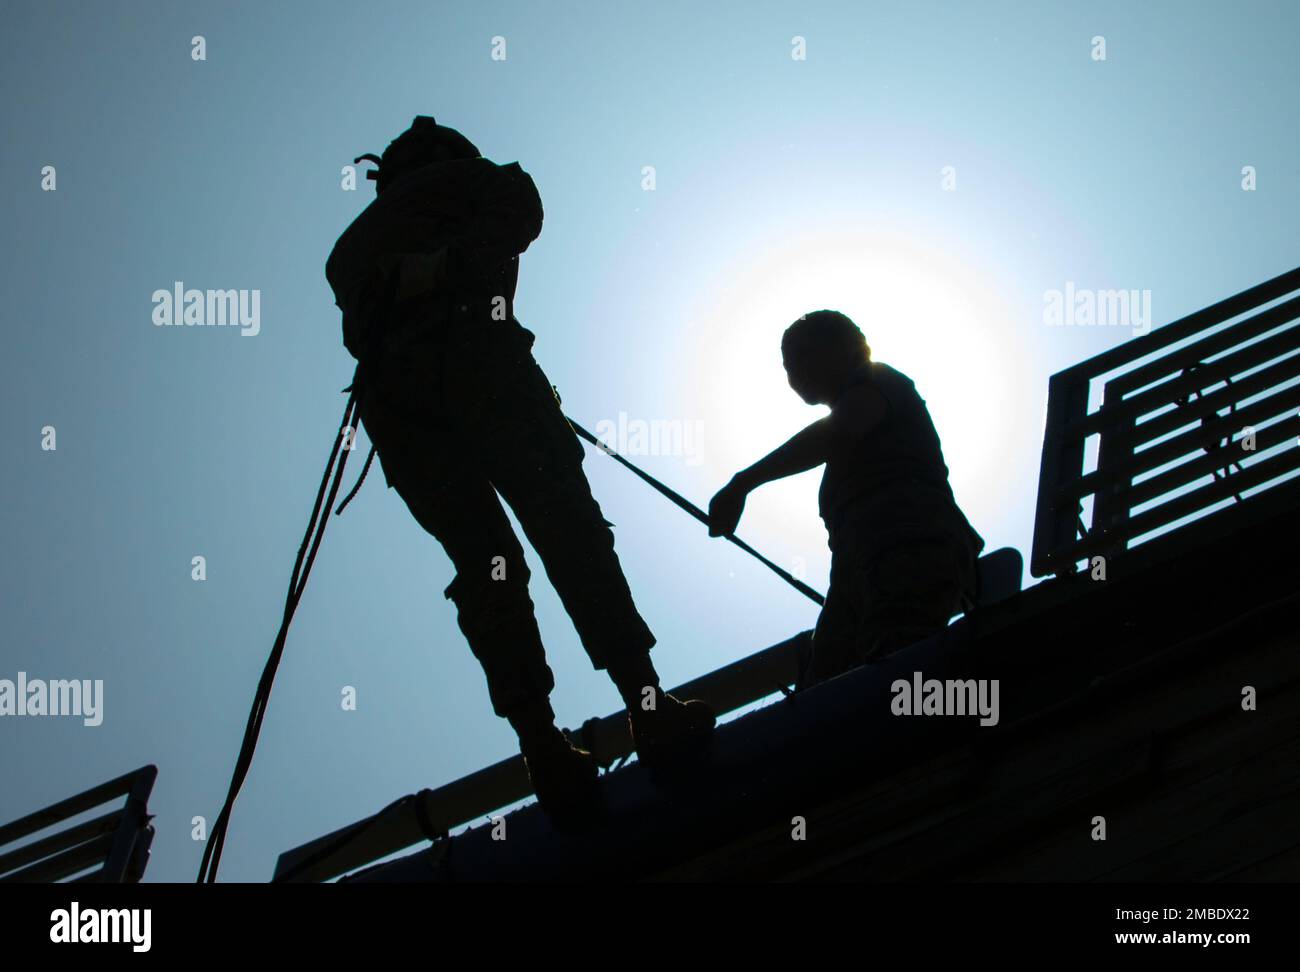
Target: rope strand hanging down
[[297, 584]]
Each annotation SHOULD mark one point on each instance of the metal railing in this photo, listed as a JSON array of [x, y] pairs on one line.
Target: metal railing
[[1178, 434], [432, 814], [115, 844]]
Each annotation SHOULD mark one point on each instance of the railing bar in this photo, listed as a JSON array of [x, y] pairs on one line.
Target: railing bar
[[134, 821], [60, 841], [1189, 441], [1211, 373], [62, 865], [1213, 402], [1195, 379], [1062, 462], [1187, 504], [467, 799], [1205, 465], [33, 822], [1176, 331], [1238, 333]]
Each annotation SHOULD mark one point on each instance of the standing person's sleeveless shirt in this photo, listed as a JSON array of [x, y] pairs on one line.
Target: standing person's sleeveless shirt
[[893, 486]]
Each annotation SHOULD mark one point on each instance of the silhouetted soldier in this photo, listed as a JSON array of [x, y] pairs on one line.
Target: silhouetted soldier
[[459, 411], [903, 553]]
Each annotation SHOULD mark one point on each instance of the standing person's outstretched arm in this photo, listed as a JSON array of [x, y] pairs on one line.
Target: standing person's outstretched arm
[[804, 450], [857, 412]]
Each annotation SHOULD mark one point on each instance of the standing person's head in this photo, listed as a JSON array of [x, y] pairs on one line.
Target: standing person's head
[[821, 351], [425, 142]]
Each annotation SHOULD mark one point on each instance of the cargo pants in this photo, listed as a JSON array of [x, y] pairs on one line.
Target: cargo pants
[[459, 412]]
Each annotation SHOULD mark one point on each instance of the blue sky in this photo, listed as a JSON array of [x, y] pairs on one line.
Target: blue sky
[[781, 186]]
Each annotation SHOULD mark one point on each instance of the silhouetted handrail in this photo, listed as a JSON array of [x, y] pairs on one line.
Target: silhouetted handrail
[[1142, 424], [118, 841], [430, 814]]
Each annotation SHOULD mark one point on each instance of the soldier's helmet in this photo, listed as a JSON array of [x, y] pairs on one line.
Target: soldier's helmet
[[424, 142]]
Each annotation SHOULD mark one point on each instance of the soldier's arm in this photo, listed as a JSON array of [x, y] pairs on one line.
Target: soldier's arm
[[508, 217]]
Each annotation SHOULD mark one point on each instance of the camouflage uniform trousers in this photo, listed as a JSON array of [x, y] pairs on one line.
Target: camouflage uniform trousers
[[889, 588], [460, 412]]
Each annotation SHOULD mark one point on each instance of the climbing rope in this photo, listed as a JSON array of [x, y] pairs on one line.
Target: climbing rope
[[698, 513], [331, 480]]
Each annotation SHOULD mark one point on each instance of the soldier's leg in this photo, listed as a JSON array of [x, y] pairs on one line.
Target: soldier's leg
[[425, 463], [490, 590], [534, 459], [418, 433], [495, 613]]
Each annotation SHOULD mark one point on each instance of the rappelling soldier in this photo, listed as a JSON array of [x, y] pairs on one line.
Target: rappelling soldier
[[461, 417]]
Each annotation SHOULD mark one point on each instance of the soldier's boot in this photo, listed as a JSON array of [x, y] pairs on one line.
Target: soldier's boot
[[671, 729], [564, 777], [663, 726]]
